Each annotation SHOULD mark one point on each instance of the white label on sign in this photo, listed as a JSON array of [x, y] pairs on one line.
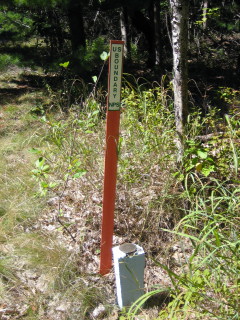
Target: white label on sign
[[116, 57]]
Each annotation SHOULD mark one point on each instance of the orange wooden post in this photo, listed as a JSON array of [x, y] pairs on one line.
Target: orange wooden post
[[111, 153]]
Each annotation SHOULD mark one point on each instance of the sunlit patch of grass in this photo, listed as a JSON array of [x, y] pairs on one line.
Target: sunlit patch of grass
[[17, 188], [48, 256], [5, 271], [56, 276], [19, 211], [17, 192], [28, 251], [11, 108]]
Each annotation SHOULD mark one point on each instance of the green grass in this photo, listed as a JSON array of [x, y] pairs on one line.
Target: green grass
[[23, 250], [208, 284], [36, 263]]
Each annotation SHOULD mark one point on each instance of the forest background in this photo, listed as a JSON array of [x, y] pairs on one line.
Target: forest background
[[184, 212]]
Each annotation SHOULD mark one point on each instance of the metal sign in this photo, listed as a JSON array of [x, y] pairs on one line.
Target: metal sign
[[115, 76]]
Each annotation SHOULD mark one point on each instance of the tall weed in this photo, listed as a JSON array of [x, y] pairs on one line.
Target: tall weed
[[206, 284], [149, 123]]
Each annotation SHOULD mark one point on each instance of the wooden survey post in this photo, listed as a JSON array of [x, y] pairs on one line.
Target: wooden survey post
[[111, 153]]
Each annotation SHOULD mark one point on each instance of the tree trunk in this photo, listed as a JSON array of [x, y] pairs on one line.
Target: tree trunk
[[205, 7], [76, 25], [180, 75], [157, 33], [144, 25], [124, 24]]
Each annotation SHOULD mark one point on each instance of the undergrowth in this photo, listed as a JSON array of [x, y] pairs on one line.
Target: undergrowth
[[7, 61], [205, 284], [54, 154], [201, 199]]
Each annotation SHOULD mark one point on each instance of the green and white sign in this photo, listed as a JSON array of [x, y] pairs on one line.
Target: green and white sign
[[115, 80]]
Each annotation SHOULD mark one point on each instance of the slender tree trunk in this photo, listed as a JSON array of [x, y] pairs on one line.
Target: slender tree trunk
[[76, 25], [205, 7], [152, 28], [180, 79], [124, 24], [157, 33], [142, 24]]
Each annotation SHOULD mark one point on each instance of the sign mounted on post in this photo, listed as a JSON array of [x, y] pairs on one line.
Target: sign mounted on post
[[112, 135], [115, 77]]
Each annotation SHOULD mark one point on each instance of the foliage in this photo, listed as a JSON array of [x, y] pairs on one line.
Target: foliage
[[211, 212], [205, 283], [197, 157], [229, 95], [15, 24], [87, 59], [39, 3], [41, 174], [7, 61], [147, 113], [63, 136], [211, 13], [218, 155], [208, 283]]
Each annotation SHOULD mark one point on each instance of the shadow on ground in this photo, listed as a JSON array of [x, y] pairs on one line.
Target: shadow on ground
[[158, 300]]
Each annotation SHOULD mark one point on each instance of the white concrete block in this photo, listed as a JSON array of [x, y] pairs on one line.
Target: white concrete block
[[129, 264]]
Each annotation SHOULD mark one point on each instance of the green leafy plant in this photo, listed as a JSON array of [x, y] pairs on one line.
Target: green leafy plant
[[147, 113], [104, 55], [41, 174], [15, 25], [75, 169], [64, 64], [198, 158], [210, 13], [7, 60], [208, 284], [233, 134]]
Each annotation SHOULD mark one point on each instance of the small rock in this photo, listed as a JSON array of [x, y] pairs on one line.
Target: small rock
[[62, 307], [99, 312], [42, 284], [53, 201], [50, 227]]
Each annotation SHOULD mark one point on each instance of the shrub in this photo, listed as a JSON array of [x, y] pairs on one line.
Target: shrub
[[7, 60]]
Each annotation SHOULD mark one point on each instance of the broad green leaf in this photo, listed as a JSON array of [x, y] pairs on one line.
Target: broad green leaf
[[64, 64], [94, 79], [202, 154], [45, 168], [79, 174], [34, 150], [44, 184], [39, 162], [53, 184], [206, 171], [104, 55]]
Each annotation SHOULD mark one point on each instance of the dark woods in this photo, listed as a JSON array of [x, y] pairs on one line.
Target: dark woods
[[77, 27], [78, 31]]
